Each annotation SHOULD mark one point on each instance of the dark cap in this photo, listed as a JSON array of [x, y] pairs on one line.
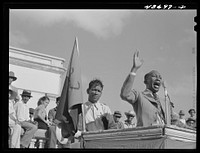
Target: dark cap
[[117, 114], [190, 119], [192, 109]]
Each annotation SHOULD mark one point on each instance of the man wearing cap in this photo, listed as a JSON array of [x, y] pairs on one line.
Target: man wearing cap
[[146, 104], [22, 113], [191, 122], [129, 122], [181, 116], [117, 115]]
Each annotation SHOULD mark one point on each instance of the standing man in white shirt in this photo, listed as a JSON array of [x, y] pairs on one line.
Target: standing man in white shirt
[[181, 116], [22, 113], [98, 116]]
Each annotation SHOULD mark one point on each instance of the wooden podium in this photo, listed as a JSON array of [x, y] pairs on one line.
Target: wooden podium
[[153, 137]]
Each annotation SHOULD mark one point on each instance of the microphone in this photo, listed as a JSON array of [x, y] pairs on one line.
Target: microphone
[[165, 90]]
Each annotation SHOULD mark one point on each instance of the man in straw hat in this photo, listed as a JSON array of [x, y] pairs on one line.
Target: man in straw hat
[[12, 78], [181, 116], [129, 122], [22, 112], [14, 125], [146, 104], [117, 115]]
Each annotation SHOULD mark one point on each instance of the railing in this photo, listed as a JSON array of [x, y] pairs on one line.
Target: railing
[[38, 139]]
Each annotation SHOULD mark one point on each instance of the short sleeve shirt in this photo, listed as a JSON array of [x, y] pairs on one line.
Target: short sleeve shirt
[[94, 111], [43, 112]]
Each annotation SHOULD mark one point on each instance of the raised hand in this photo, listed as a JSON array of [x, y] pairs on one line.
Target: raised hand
[[137, 62]]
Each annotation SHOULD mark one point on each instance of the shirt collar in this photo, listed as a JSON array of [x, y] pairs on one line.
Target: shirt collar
[[147, 91], [90, 103]]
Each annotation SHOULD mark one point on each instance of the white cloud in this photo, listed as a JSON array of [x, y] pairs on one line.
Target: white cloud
[[102, 23]]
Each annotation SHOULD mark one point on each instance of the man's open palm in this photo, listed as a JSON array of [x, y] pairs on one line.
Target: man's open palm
[[137, 62]]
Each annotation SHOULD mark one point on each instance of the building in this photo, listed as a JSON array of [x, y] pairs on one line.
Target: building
[[40, 73]]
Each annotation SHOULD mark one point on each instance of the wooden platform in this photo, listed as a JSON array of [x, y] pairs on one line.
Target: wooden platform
[[154, 137]]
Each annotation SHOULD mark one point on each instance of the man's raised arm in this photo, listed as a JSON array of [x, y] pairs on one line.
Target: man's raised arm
[[126, 93]]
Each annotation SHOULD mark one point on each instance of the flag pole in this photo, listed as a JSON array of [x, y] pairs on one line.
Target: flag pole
[[83, 117], [82, 106]]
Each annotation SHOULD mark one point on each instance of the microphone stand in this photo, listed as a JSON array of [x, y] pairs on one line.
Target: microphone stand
[[168, 117], [171, 106]]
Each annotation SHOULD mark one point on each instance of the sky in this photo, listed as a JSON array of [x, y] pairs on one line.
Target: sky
[[107, 40]]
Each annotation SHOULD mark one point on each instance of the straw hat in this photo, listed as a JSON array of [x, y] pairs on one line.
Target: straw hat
[[130, 113], [26, 93], [181, 112], [12, 75]]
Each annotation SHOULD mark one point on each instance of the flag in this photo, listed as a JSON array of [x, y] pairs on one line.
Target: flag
[[71, 97]]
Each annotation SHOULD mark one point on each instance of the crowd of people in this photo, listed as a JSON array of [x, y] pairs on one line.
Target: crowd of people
[[147, 110]]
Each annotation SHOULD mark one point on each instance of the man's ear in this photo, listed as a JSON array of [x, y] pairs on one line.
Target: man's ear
[[87, 91]]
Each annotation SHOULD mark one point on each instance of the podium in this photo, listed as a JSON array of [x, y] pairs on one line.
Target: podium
[[153, 137]]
